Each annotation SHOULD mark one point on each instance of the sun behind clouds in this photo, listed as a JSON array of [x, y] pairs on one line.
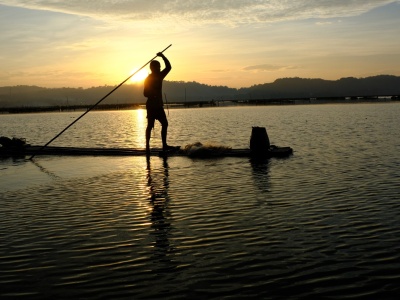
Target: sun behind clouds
[[140, 76]]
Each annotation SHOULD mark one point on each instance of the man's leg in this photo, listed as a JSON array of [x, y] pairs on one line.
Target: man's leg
[[164, 129], [150, 125]]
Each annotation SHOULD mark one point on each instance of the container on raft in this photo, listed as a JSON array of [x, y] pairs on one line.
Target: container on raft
[[259, 141], [259, 147]]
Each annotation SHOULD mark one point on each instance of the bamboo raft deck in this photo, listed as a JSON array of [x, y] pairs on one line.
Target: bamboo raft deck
[[274, 151], [259, 147]]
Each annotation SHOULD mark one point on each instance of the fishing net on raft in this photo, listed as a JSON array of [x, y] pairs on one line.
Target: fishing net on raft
[[205, 150]]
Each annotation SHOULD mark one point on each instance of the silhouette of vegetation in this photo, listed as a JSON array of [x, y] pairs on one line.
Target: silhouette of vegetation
[[131, 95]]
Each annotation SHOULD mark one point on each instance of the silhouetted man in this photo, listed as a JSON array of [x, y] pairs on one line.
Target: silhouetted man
[[154, 103]]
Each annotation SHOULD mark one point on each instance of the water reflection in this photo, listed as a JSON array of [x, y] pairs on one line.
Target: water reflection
[[160, 216], [260, 167], [44, 170], [139, 125]]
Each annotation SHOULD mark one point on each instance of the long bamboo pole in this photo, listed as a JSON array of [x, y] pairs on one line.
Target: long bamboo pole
[[94, 105]]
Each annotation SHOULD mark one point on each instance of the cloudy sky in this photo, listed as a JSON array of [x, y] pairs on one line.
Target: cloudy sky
[[237, 43]]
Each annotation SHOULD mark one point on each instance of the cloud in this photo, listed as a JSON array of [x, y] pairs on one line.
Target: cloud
[[323, 23], [268, 68], [204, 11]]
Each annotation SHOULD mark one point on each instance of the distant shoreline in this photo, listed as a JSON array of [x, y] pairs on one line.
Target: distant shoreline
[[201, 104]]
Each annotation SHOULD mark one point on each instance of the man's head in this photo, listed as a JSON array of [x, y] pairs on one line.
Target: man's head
[[155, 66]]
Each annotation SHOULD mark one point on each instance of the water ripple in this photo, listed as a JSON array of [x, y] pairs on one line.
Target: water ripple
[[322, 224]]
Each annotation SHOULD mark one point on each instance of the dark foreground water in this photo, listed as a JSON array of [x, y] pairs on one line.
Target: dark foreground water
[[322, 224]]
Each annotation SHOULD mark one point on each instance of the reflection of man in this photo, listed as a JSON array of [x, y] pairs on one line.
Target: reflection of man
[[158, 183], [154, 103], [160, 215]]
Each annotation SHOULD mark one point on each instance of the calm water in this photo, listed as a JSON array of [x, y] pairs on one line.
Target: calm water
[[322, 224]]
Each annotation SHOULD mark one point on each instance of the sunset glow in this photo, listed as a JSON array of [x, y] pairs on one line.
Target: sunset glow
[[140, 76], [231, 43]]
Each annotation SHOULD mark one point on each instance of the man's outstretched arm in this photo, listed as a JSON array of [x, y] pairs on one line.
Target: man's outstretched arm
[[168, 66]]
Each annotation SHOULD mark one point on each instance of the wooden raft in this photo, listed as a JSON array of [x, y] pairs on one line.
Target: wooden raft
[[259, 147], [74, 151]]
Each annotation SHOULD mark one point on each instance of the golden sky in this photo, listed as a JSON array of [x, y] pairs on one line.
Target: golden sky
[[235, 43]]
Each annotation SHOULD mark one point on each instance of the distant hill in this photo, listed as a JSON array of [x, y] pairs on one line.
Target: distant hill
[[180, 91], [381, 85]]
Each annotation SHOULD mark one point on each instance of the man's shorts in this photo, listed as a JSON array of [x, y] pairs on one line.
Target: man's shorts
[[157, 113]]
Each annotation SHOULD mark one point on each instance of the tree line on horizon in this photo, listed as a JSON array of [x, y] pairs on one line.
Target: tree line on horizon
[[181, 92]]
